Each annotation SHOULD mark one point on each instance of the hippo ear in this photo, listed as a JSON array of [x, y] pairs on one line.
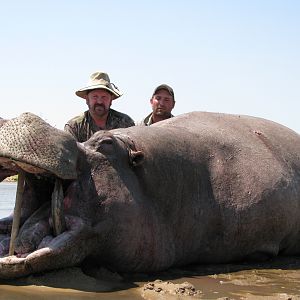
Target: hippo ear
[[136, 158]]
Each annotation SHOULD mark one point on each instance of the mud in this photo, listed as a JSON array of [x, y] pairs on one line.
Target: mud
[[276, 279]]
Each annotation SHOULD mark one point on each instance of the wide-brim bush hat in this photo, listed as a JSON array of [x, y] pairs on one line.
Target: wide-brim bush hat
[[164, 87], [99, 80]]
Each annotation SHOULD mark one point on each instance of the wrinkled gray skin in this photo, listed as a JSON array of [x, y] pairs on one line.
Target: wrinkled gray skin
[[197, 188]]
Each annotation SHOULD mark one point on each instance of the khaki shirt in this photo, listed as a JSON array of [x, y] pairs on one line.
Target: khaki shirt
[[83, 127], [149, 121]]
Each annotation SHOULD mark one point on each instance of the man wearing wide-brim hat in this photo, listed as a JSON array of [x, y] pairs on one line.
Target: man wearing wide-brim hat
[[98, 94], [162, 102]]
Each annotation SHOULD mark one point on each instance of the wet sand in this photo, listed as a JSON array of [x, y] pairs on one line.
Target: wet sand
[[276, 279]]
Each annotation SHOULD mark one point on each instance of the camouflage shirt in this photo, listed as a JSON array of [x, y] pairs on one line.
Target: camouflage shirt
[[83, 127]]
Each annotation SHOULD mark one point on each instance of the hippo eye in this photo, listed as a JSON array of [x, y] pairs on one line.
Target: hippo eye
[[105, 145]]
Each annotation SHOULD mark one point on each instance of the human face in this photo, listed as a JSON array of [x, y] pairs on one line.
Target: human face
[[162, 104], [99, 102]]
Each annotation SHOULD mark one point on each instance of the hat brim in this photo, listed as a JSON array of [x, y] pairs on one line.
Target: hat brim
[[84, 91]]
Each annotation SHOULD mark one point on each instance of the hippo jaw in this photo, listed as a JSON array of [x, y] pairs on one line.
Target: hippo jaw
[[30, 146], [29, 143]]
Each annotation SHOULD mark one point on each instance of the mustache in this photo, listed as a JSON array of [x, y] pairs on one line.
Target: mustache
[[99, 105]]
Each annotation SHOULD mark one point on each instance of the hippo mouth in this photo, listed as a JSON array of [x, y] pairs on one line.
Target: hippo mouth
[[36, 151], [54, 195]]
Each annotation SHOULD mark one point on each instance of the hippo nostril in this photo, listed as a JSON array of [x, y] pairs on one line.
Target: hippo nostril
[[57, 209]]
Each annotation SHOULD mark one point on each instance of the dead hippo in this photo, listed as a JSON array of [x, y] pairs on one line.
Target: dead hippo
[[197, 188]]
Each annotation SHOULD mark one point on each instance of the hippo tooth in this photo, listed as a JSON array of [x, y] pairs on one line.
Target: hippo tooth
[[17, 213], [58, 218]]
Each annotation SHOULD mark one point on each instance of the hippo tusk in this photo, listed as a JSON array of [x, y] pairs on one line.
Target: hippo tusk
[[17, 212], [58, 217]]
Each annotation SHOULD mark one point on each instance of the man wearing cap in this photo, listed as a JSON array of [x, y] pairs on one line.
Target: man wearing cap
[[98, 96], [162, 102]]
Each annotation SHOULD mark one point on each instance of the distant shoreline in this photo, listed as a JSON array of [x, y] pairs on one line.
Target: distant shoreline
[[11, 179]]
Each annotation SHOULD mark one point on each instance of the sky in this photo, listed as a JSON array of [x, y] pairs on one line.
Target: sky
[[234, 56]]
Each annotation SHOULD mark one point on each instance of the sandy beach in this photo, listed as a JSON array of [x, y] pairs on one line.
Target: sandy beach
[[276, 279]]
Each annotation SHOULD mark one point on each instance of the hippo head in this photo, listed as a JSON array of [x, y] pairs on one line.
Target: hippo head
[[67, 189]]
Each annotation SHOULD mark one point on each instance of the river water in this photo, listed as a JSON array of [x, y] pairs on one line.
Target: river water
[[7, 198], [277, 279]]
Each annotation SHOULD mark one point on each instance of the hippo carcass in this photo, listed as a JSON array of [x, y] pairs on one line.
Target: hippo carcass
[[197, 188]]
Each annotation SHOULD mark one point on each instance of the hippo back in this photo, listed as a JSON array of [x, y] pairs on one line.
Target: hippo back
[[236, 178]]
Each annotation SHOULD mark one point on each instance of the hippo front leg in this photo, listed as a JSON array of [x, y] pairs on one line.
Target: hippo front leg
[[66, 250]]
